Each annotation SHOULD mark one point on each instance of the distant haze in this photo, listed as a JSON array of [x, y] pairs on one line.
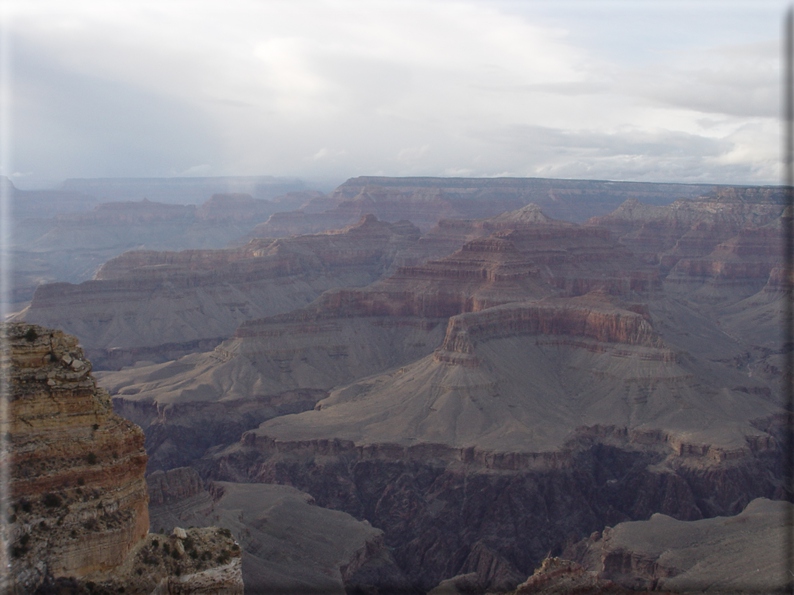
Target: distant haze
[[326, 90]]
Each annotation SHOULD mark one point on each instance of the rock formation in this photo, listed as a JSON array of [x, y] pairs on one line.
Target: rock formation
[[499, 402], [78, 512], [738, 554], [483, 408], [292, 360], [288, 543], [425, 201], [146, 305]]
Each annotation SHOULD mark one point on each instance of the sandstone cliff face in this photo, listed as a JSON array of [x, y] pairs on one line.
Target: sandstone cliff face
[[77, 487], [79, 517]]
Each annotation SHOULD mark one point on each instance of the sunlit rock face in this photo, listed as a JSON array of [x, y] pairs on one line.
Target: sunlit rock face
[[77, 469], [78, 515]]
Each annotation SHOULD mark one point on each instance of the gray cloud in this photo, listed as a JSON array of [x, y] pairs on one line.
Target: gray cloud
[[320, 89], [69, 124]]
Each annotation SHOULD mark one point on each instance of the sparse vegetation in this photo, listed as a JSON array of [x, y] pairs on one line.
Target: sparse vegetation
[[51, 500], [223, 557]]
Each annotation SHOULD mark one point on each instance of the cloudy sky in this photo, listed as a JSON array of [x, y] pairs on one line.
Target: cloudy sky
[[329, 89]]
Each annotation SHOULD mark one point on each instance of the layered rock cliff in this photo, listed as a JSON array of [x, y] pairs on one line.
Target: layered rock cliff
[[154, 306], [78, 511], [487, 407], [534, 422], [77, 487], [426, 201]]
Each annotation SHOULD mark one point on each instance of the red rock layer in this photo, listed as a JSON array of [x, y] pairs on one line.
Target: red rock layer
[[601, 322], [77, 486]]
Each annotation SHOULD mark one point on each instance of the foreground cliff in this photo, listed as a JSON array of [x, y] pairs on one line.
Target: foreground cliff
[[79, 504]]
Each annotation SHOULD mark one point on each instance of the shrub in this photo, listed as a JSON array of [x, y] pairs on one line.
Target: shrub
[[51, 500], [155, 544], [91, 458], [81, 481], [25, 505], [31, 335]]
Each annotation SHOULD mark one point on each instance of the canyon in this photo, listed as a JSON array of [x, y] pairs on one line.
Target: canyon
[[483, 384]]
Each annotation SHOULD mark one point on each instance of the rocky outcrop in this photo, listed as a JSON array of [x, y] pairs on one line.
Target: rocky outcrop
[[78, 513], [160, 305], [557, 576], [589, 318], [739, 554], [288, 543], [77, 487]]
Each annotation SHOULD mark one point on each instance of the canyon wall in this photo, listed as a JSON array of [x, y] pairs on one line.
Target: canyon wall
[[147, 305], [79, 503]]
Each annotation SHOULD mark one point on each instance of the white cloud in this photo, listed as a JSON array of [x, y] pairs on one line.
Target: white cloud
[[256, 87]]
